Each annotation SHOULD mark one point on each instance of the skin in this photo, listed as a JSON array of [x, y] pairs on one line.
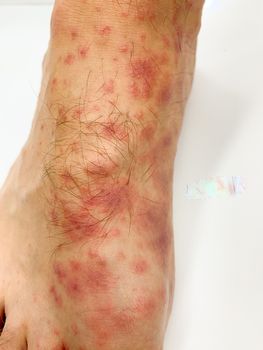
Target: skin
[[87, 207]]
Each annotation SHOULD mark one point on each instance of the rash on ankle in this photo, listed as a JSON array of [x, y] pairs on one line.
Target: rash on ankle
[[110, 194]]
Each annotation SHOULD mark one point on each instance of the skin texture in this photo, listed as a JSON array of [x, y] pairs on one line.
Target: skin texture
[[87, 207]]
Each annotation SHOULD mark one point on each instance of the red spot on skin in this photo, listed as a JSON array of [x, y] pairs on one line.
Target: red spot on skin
[[145, 305], [42, 126], [115, 130], [148, 132], [54, 83], [108, 87], [96, 257], [57, 298], [140, 266], [66, 178], [104, 30], [156, 221], [56, 332], [145, 11], [114, 233], [166, 141], [162, 59], [165, 95], [60, 271], [83, 52], [124, 48], [69, 59], [142, 69], [75, 266], [75, 147], [144, 75], [74, 34], [78, 112], [93, 254]]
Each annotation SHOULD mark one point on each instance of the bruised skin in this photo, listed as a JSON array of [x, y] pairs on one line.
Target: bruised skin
[[95, 243]]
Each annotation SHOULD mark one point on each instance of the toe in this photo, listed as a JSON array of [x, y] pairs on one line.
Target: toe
[[13, 339]]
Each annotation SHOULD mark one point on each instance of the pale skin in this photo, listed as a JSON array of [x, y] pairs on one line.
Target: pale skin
[[86, 239]]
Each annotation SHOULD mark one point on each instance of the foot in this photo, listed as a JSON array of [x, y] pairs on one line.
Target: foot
[[86, 212]]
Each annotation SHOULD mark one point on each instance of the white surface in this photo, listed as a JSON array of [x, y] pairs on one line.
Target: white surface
[[26, 2], [219, 294]]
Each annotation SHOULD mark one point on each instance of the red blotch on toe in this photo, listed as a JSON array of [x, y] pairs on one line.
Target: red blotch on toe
[[69, 59], [83, 52], [104, 30], [140, 266]]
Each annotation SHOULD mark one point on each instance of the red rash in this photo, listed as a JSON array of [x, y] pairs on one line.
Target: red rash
[[155, 221], [140, 266], [104, 30], [116, 130], [144, 74], [124, 48], [57, 298], [62, 346], [107, 320], [78, 113], [143, 69], [80, 279], [145, 12], [69, 59], [148, 133], [145, 306], [108, 87], [83, 52], [165, 95], [73, 35], [95, 208]]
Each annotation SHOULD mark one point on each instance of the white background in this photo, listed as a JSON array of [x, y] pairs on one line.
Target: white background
[[219, 242]]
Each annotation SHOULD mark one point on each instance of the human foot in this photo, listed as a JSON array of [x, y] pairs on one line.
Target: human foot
[[86, 212]]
